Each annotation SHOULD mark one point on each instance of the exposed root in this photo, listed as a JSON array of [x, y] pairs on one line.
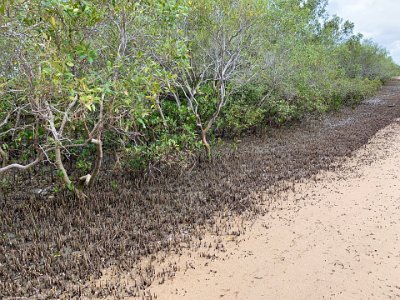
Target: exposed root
[[53, 245]]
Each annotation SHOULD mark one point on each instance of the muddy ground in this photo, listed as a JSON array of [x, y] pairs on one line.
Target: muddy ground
[[333, 237], [56, 247]]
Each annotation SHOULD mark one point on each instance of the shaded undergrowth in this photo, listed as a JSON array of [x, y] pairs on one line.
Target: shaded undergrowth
[[49, 246]]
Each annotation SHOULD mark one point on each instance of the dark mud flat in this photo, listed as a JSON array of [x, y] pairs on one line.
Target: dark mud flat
[[49, 247]]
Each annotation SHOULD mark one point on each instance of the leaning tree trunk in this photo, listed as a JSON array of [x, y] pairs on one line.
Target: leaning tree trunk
[[206, 145], [64, 175]]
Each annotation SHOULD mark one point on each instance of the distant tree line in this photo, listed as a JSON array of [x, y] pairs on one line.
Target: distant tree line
[[145, 80]]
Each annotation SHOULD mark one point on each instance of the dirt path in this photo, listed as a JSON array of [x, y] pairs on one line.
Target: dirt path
[[335, 238]]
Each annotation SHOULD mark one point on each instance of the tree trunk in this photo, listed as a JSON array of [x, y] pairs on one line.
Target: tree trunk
[[3, 157], [205, 143], [64, 175], [99, 160]]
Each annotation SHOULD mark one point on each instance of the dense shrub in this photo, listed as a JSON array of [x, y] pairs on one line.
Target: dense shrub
[[145, 81]]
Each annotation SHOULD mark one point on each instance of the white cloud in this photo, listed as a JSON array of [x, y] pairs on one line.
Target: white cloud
[[378, 20]]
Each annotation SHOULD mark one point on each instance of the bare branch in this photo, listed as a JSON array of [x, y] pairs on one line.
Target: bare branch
[[99, 145], [66, 114], [22, 167], [5, 121], [86, 179]]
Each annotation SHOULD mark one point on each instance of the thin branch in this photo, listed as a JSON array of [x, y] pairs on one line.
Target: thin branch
[[66, 114], [5, 121], [22, 167]]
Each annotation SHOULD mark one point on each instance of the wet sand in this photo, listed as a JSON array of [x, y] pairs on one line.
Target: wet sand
[[335, 237], [191, 227]]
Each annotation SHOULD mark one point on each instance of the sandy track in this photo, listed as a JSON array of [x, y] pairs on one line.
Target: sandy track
[[334, 238]]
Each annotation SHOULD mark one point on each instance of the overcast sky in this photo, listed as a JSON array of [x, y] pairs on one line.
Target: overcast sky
[[375, 19]]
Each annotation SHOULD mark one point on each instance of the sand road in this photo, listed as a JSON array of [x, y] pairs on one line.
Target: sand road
[[336, 237]]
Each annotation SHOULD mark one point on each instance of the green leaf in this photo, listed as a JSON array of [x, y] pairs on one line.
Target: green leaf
[[140, 120], [53, 21]]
